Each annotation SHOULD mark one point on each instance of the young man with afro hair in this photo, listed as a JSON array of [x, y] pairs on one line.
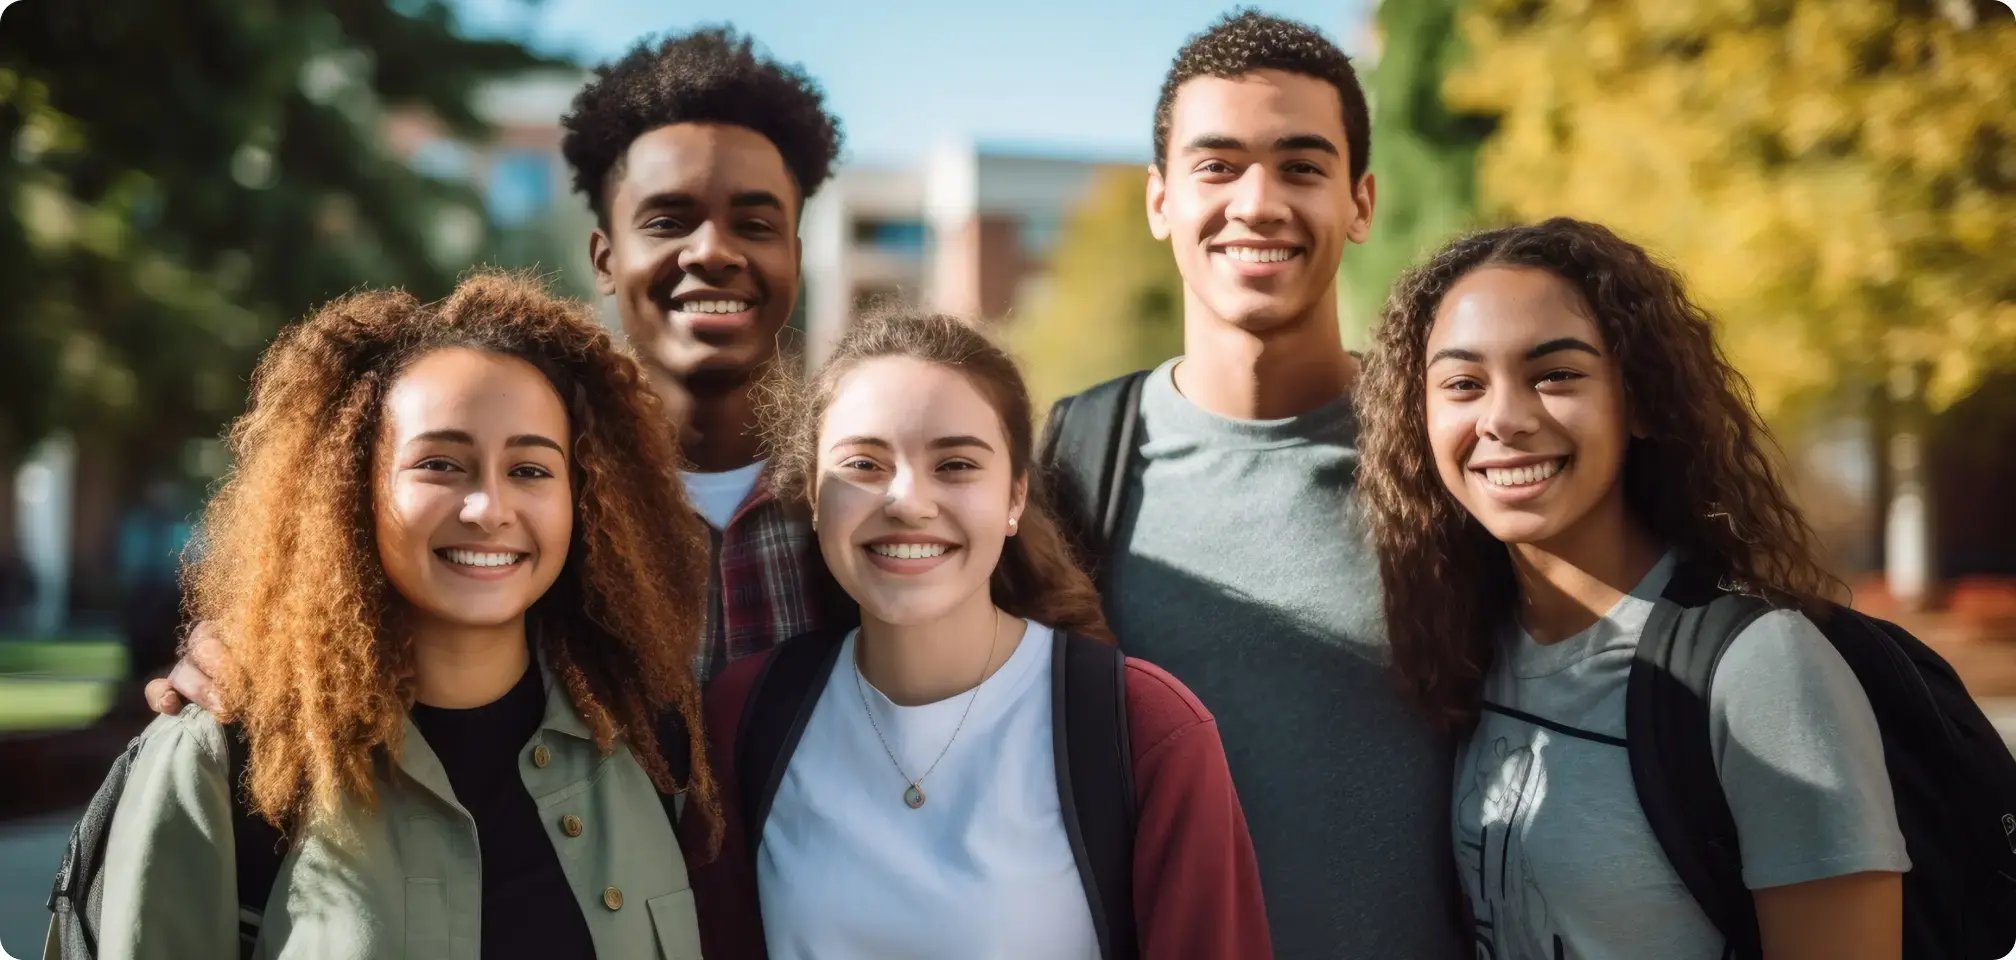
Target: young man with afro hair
[[697, 153], [1236, 558]]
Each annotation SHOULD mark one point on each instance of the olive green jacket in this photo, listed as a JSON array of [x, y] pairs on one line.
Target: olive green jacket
[[404, 880]]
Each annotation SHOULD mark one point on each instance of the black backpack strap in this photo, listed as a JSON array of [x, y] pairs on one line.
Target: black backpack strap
[[259, 845], [1672, 757], [1095, 782], [1088, 447], [774, 718], [675, 748]]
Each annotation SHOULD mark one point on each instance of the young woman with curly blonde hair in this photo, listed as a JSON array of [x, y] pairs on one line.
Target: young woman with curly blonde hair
[[459, 590], [1551, 436]]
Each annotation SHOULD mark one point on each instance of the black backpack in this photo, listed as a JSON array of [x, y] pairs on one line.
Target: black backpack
[[1088, 448], [77, 897], [1953, 778], [1095, 764]]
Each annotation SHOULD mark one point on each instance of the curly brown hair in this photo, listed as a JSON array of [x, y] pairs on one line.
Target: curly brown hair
[[1037, 578], [320, 670], [1701, 478]]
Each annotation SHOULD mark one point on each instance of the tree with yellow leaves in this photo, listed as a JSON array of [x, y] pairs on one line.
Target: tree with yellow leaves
[[1113, 301], [1836, 178]]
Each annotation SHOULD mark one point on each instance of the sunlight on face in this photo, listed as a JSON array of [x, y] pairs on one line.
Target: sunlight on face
[[474, 506], [914, 490], [1525, 405]]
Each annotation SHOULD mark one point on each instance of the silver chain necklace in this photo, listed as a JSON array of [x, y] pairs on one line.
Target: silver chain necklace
[[913, 795]]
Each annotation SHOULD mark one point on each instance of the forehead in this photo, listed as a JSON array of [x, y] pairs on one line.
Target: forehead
[[1264, 103], [707, 161], [904, 400], [482, 393], [1511, 308]]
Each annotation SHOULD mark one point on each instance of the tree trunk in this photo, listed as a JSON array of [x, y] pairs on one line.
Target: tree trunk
[[1910, 558]]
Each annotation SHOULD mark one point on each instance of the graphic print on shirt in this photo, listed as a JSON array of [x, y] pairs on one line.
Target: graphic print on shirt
[[1510, 915]]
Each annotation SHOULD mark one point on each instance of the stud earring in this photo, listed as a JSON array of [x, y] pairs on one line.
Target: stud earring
[[1011, 523]]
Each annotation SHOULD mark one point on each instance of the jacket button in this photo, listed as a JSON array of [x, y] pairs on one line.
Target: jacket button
[[570, 825], [541, 756], [612, 898]]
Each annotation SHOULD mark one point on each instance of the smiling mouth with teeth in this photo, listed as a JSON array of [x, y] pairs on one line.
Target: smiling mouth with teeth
[[1261, 254], [909, 551], [475, 558], [714, 306], [1527, 475]]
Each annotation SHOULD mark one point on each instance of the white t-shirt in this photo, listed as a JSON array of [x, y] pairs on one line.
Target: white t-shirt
[[983, 869], [716, 495]]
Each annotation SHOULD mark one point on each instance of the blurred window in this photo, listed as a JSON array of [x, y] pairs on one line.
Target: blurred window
[[905, 238], [521, 186]]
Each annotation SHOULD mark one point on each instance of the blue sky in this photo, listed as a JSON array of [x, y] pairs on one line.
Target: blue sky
[[1068, 76]]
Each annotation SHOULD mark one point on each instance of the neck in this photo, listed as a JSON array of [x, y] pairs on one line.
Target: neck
[[1566, 583], [915, 664], [459, 667], [1284, 372], [716, 426]]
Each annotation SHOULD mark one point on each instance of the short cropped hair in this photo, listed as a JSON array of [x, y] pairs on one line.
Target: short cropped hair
[[1245, 41]]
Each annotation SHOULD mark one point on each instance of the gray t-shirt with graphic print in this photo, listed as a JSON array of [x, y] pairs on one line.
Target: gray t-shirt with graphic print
[[1554, 853]]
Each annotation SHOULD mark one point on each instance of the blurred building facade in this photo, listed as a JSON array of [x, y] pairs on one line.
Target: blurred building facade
[[968, 230]]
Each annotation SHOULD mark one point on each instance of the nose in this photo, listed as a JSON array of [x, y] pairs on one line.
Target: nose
[[1257, 198], [712, 253], [909, 500], [1509, 413], [484, 509]]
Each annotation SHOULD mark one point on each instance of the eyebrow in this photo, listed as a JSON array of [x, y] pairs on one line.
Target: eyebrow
[[1555, 345], [941, 443], [462, 437], [1293, 141], [745, 198]]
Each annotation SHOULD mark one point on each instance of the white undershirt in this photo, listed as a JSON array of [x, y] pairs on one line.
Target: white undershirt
[[716, 495], [983, 869]]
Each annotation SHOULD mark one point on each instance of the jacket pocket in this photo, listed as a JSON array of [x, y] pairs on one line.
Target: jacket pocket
[[426, 919], [676, 925]]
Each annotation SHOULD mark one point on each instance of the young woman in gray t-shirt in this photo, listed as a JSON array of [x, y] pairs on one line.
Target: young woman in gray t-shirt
[[1548, 426]]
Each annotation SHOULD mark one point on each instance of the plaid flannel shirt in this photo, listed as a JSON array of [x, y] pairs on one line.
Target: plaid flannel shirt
[[770, 584]]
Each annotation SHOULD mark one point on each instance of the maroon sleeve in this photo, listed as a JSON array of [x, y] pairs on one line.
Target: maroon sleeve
[[724, 884], [1196, 883]]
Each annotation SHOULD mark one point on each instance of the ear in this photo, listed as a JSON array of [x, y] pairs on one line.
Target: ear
[[598, 257], [1157, 192], [1362, 197], [1018, 501]]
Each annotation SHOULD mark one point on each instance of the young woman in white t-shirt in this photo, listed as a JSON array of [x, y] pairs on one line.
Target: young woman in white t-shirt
[[1549, 432], [920, 812]]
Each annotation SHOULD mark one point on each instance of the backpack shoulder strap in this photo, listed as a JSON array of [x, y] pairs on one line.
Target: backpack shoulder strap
[[77, 896], [1088, 446], [1095, 781], [774, 717], [1672, 757], [259, 846]]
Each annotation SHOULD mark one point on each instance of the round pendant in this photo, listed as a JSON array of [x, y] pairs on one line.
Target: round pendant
[[914, 796]]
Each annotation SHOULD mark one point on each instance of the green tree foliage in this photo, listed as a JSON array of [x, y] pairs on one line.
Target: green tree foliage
[[180, 179], [1423, 155], [1113, 302], [1837, 178]]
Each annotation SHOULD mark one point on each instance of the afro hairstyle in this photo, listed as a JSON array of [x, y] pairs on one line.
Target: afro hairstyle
[[712, 75]]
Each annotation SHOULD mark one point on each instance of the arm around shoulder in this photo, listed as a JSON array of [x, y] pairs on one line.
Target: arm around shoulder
[[1196, 881], [170, 875]]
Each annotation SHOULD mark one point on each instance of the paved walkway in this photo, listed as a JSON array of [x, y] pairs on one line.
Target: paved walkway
[[29, 851]]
